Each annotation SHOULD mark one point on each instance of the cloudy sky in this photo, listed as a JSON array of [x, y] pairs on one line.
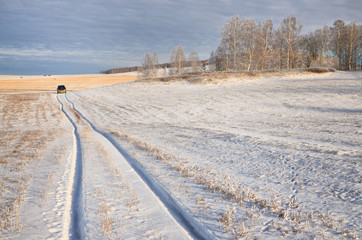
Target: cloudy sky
[[87, 36]]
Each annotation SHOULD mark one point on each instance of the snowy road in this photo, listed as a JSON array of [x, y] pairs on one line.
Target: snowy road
[[108, 189]]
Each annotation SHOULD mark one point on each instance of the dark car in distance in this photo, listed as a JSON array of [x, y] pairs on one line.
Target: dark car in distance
[[61, 89]]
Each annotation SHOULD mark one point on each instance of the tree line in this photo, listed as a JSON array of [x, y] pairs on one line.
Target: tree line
[[248, 45], [177, 64]]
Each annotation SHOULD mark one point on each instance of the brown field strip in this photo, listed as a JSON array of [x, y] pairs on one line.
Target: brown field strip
[[72, 82]]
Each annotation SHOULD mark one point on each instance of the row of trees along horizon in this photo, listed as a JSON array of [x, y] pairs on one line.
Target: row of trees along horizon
[[249, 46]]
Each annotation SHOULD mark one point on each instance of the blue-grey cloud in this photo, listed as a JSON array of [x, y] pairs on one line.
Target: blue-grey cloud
[[116, 33]]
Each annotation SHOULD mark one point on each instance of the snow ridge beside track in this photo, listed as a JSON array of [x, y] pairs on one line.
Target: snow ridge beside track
[[73, 211]]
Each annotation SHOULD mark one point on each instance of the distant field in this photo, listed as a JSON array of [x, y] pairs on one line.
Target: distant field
[[72, 82]]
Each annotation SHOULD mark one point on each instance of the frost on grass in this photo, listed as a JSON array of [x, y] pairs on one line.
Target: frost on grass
[[286, 216]]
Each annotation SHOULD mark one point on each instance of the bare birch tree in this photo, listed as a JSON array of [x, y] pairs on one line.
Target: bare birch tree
[[221, 59], [323, 36], [352, 45], [178, 60], [147, 65], [338, 28], [263, 43], [247, 42], [195, 61], [173, 62], [278, 46], [155, 63], [290, 31], [310, 45], [231, 35]]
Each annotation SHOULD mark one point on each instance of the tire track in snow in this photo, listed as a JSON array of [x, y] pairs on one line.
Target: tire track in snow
[[73, 212], [196, 229]]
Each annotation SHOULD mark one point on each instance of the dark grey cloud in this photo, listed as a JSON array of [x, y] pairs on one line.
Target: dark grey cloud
[[96, 35]]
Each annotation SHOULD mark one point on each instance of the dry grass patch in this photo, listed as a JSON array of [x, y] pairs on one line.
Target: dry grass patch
[[18, 160], [27, 110], [72, 82], [14, 108], [19, 157], [107, 221], [220, 77], [28, 128]]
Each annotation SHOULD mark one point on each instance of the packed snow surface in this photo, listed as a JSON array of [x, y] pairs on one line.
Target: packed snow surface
[[263, 158]]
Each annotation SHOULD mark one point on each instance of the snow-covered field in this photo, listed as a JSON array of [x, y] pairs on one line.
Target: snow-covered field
[[261, 158]]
